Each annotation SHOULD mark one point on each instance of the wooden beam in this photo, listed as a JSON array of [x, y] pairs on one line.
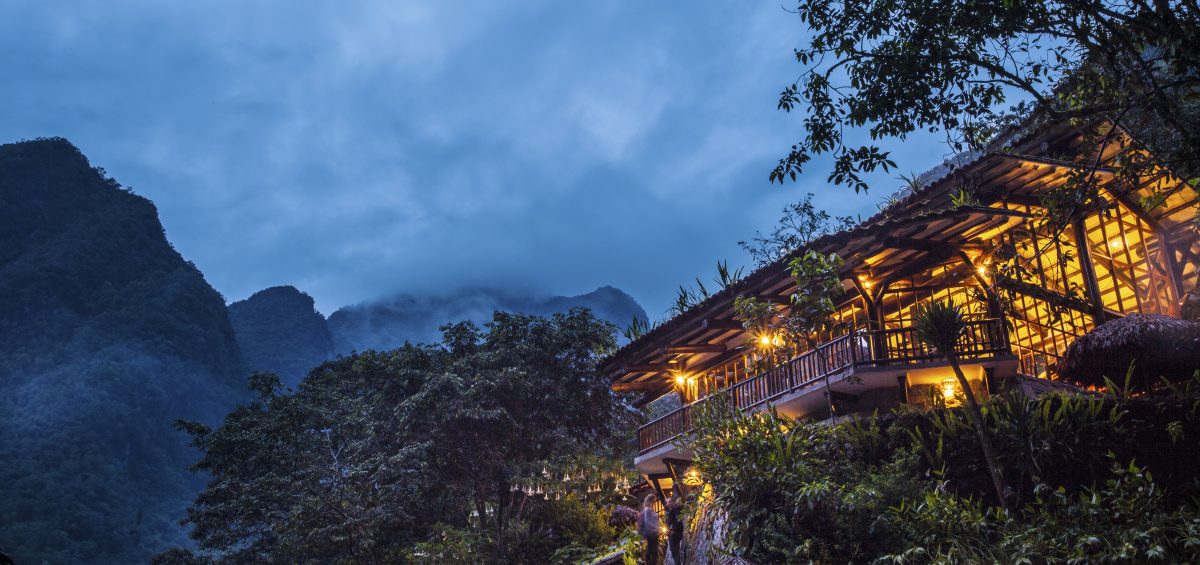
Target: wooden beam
[[1055, 163], [916, 244], [649, 368], [636, 386], [1174, 272], [1040, 293], [699, 348], [1088, 269], [721, 324]]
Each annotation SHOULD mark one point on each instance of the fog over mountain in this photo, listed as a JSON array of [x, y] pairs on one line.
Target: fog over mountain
[[280, 331], [388, 323], [108, 336]]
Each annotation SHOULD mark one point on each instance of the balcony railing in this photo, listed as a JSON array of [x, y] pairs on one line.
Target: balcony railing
[[982, 339]]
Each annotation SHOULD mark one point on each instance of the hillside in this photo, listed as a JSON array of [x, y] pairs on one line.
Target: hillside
[[107, 335], [280, 331], [389, 323]]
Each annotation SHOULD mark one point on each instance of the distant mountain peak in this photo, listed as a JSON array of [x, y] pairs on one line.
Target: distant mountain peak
[[281, 332], [389, 322]]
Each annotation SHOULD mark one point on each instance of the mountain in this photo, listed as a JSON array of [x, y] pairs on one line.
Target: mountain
[[387, 324], [280, 331], [107, 335]]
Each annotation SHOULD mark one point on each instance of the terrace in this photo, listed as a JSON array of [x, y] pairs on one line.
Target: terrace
[[795, 385]]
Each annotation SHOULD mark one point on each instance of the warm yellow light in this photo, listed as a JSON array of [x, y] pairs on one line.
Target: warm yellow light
[[680, 380], [692, 477], [949, 390], [981, 270], [866, 282], [764, 340], [1116, 244]]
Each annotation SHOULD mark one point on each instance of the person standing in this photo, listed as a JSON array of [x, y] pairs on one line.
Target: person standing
[[675, 527], [649, 528]]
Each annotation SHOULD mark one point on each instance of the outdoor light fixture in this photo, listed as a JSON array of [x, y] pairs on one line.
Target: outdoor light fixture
[[692, 478], [950, 391], [767, 340], [1116, 244]]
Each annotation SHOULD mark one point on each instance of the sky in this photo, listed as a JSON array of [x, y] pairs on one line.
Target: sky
[[358, 149]]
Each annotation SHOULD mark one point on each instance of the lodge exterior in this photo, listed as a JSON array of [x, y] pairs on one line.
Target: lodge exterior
[[1126, 259]]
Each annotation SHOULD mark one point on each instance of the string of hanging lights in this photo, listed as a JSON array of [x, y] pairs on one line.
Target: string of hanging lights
[[579, 477]]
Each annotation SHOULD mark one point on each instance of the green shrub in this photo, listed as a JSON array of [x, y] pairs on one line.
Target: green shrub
[[911, 487], [1126, 521], [801, 491]]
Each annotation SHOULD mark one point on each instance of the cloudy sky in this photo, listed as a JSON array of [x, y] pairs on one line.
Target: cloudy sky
[[356, 149]]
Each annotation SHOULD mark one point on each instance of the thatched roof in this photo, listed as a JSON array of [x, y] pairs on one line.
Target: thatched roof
[[1157, 346]]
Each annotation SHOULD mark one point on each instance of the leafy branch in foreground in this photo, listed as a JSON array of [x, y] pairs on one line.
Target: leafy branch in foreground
[[888, 69]]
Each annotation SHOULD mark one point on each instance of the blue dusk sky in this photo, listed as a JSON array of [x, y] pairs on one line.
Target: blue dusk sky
[[357, 149]]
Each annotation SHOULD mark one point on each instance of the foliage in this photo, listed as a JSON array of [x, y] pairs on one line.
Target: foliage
[[373, 450], [106, 335], [893, 68], [940, 325], [1125, 521], [797, 491], [637, 328], [800, 223], [785, 331], [280, 332], [910, 487]]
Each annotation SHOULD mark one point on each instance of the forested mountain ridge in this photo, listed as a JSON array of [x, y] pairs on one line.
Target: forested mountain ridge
[[107, 335], [280, 331], [389, 323]]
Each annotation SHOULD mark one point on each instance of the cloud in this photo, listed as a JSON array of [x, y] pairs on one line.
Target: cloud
[[361, 148]]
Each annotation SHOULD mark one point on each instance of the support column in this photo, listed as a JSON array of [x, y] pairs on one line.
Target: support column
[[1089, 271]]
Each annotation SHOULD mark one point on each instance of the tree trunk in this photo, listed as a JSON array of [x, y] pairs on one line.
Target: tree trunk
[[985, 439]]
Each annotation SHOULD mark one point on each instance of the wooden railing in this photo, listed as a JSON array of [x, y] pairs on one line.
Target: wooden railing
[[982, 338]]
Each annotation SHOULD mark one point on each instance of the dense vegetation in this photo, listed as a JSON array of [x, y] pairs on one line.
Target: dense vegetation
[[106, 336], [280, 332], [889, 69], [389, 323], [1093, 479], [418, 453]]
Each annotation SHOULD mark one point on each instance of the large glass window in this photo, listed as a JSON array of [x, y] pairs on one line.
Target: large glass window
[[1132, 267]]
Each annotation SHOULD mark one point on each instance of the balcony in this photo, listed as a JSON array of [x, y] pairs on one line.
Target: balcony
[[983, 339]]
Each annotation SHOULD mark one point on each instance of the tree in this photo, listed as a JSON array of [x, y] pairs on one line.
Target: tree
[[799, 223], [893, 68], [939, 325], [378, 453]]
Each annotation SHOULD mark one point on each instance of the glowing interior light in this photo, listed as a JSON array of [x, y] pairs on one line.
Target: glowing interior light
[[982, 270], [1116, 244], [680, 380], [764, 340], [949, 389]]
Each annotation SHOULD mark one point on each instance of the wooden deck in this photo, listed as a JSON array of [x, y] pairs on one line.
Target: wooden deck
[[983, 339]]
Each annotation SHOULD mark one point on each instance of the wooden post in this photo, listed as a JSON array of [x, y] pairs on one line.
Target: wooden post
[[875, 316], [1089, 272]]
